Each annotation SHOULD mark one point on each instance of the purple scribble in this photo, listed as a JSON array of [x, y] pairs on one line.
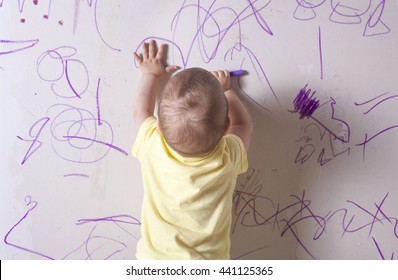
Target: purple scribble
[[374, 25], [259, 17], [331, 142], [74, 130], [76, 175], [343, 14], [367, 140], [97, 101], [98, 141], [67, 63], [209, 41], [375, 217], [336, 133], [305, 103], [251, 209], [345, 138], [75, 133], [251, 252], [21, 4], [378, 249], [305, 10], [31, 205], [48, 9], [34, 132], [55, 74], [209, 44], [97, 26], [98, 244], [320, 50], [61, 62], [127, 219], [239, 48], [373, 99], [90, 2], [13, 46], [352, 13], [378, 103]]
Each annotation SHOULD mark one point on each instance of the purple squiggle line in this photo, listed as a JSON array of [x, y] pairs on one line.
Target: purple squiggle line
[[115, 218], [76, 175], [35, 137], [97, 102], [378, 103], [33, 205], [377, 21], [320, 50], [72, 121], [99, 142], [260, 72], [67, 76], [378, 249], [221, 33], [97, 27], [367, 140], [32, 42], [373, 99], [340, 138]]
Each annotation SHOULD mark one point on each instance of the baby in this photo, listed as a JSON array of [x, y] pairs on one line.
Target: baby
[[190, 158]]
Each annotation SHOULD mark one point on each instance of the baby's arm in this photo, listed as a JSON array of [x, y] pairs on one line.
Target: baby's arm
[[154, 72], [241, 122]]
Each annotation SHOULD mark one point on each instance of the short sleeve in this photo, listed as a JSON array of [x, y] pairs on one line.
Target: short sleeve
[[145, 131], [237, 153]]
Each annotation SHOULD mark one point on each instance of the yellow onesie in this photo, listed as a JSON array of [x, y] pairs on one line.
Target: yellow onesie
[[187, 206]]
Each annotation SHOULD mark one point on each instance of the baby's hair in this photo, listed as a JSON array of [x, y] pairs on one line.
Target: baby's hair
[[193, 112]]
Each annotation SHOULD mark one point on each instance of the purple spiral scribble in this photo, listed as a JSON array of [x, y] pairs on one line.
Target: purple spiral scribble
[[57, 66], [75, 135]]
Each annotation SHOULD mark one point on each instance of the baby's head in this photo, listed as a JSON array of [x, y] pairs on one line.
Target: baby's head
[[193, 112]]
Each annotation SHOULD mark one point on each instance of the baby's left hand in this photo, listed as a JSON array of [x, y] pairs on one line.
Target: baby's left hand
[[151, 61]]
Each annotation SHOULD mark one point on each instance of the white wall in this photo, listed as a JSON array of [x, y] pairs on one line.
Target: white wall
[[323, 186]]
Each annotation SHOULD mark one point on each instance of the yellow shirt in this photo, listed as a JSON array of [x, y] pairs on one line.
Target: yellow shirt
[[186, 211]]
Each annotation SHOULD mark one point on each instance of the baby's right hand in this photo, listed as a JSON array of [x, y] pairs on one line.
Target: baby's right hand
[[224, 78]]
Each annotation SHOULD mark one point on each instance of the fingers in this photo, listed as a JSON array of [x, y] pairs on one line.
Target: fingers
[[152, 49], [161, 52], [221, 74], [138, 58], [145, 54], [171, 69], [226, 73], [152, 59]]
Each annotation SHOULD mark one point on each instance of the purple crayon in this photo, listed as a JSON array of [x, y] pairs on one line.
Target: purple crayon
[[237, 73]]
